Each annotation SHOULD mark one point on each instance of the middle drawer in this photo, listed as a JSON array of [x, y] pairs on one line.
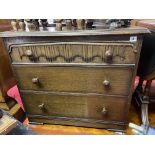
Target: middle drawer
[[103, 80]]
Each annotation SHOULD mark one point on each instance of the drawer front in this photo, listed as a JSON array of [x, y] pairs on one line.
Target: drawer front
[[102, 80], [74, 52], [75, 106]]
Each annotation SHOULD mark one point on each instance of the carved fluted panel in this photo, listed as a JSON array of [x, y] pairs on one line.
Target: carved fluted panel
[[73, 52]]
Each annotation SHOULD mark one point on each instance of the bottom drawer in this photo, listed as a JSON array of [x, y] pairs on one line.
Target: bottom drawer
[[75, 106]]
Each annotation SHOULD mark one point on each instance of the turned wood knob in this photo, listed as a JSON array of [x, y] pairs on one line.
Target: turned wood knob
[[30, 25], [35, 80], [68, 24], [58, 23], [106, 83], [14, 25], [29, 53], [59, 26], [108, 56], [41, 106], [104, 111], [80, 24], [22, 25]]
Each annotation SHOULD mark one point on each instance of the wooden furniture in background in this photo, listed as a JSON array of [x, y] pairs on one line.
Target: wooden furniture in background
[[6, 77], [81, 78], [5, 25]]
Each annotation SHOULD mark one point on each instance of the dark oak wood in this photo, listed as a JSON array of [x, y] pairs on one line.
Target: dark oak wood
[[100, 32], [86, 79], [6, 75], [86, 106], [120, 127], [5, 25], [79, 91], [51, 129], [1, 97], [6, 78], [112, 52]]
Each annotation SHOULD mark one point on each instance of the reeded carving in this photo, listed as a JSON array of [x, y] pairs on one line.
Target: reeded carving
[[72, 52]]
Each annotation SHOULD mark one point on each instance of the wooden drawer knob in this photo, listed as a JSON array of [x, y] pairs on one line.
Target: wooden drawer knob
[[59, 26], [22, 25], [108, 56], [35, 80], [41, 106], [14, 25], [104, 111], [106, 83], [68, 24], [29, 53]]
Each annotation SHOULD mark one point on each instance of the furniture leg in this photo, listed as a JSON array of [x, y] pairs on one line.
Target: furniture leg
[[144, 106]]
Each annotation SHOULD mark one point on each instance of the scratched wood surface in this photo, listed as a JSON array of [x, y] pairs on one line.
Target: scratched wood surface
[[72, 130], [52, 32], [64, 79]]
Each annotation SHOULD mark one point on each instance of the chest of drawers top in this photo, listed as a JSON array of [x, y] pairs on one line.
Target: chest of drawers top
[[87, 46], [51, 32]]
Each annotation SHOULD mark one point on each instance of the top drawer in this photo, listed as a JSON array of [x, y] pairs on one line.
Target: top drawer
[[74, 52]]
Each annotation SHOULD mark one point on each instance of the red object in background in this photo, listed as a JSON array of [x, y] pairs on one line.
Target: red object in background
[[14, 92], [136, 81], [152, 90]]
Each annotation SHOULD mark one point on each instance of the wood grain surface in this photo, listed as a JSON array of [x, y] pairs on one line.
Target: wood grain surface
[[134, 117], [84, 106], [75, 79], [6, 78], [74, 52], [6, 75], [52, 32], [1, 97]]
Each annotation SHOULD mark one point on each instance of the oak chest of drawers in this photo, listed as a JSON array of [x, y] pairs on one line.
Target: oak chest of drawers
[[81, 78]]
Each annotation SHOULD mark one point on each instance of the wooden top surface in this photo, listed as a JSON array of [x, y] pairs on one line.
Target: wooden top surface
[[51, 32], [149, 23]]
